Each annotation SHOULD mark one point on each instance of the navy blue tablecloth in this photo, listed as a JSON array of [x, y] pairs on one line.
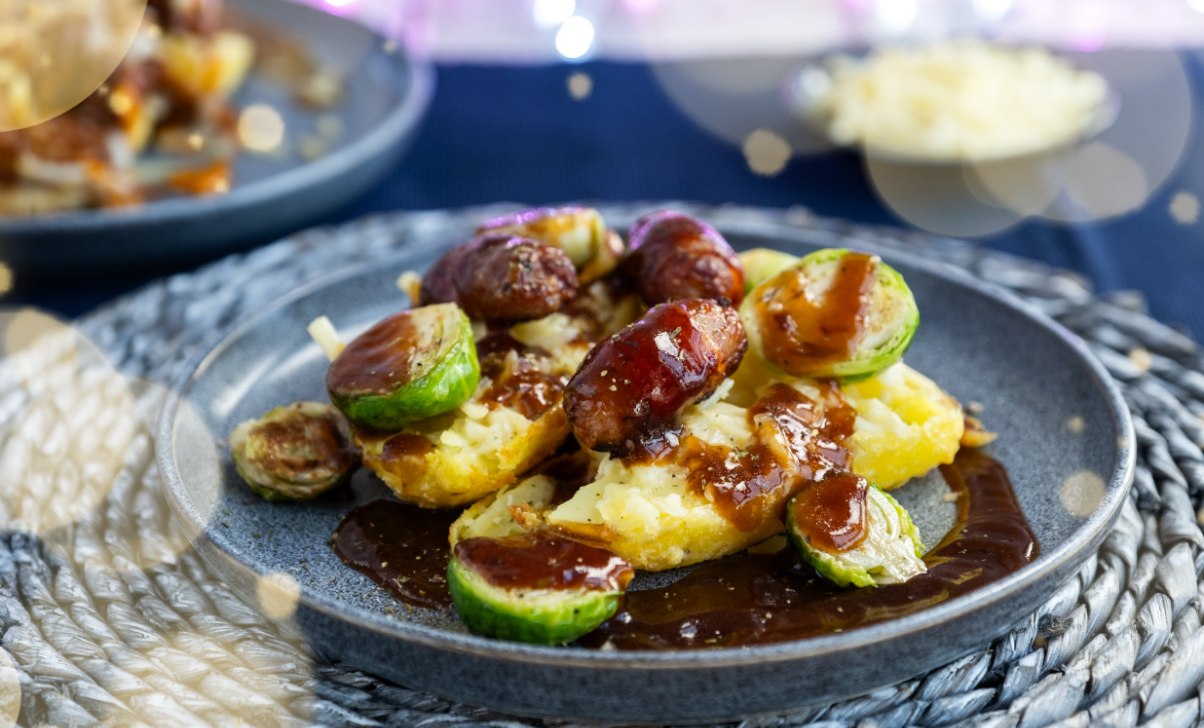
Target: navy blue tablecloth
[[514, 133]]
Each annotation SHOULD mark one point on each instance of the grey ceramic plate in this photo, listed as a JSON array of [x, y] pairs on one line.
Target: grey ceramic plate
[[384, 98], [980, 344]]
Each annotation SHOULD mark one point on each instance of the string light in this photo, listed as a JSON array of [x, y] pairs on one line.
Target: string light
[[553, 12], [575, 38]]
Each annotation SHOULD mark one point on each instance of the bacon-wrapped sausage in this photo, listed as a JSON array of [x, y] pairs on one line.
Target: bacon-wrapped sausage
[[632, 387], [502, 279], [674, 256]]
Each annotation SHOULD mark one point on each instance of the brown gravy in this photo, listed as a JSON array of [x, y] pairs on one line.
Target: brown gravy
[[750, 486], [748, 599], [401, 547], [831, 513], [524, 388], [381, 359], [544, 562], [399, 446], [800, 334], [760, 599]]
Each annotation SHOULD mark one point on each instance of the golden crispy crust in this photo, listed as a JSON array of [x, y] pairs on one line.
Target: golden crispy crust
[[445, 477]]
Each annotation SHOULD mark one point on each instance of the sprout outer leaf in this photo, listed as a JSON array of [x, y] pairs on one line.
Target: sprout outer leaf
[[284, 463], [761, 264], [890, 290], [579, 231], [545, 617], [891, 553], [450, 375]]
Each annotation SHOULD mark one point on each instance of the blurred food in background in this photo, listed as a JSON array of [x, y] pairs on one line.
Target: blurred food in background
[[55, 53], [959, 100], [170, 95]]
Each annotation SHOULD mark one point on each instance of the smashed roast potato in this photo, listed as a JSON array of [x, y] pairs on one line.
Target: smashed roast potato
[[513, 420], [662, 514]]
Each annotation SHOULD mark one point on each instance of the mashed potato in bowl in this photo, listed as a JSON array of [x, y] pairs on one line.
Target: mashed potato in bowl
[[964, 100]]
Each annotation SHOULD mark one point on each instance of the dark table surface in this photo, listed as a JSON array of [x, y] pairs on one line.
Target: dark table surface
[[514, 133]]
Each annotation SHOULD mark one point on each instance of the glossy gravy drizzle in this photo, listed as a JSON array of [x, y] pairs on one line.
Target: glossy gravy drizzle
[[749, 486], [381, 359], [759, 599], [800, 334], [401, 547], [544, 562], [524, 388], [831, 513], [741, 600]]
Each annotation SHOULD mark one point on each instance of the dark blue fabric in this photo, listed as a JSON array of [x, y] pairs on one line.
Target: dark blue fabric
[[514, 133]]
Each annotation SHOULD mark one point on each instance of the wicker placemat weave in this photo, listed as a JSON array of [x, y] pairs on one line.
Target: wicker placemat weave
[[108, 617]]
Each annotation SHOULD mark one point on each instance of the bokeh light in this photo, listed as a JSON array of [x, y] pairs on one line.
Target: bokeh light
[[731, 98], [278, 595], [1102, 181], [1082, 492], [1185, 208], [992, 9], [77, 422], [939, 198], [261, 128], [575, 38], [548, 13], [766, 153], [10, 691], [1110, 175], [895, 16], [581, 85], [56, 53]]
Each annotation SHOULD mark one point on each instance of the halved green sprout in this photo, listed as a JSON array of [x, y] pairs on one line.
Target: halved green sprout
[[891, 552], [515, 588], [579, 231], [795, 325], [761, 264], [408, 367], [295, 452]]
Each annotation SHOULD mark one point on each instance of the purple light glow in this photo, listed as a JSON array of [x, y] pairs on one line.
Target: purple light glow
[[641, 6]]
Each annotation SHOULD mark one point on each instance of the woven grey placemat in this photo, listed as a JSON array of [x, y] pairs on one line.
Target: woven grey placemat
[[109, 618]]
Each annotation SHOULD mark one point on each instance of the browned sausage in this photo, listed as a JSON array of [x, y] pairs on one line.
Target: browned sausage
[[674, 256], [632, 387], [502, 279], [439, 283], [193, 16]]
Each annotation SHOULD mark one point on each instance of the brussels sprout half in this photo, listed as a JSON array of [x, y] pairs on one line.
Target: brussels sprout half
[[535, 608], [761, 264], [579, 231], [409, 366], [890, 554], [295, 452], [879, 324]]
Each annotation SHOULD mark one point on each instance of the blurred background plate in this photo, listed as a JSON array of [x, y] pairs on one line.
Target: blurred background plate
[[804, 89], [385, 96]]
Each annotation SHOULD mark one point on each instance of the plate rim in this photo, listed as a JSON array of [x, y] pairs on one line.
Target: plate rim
[[407, 114], [1092, 528]]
